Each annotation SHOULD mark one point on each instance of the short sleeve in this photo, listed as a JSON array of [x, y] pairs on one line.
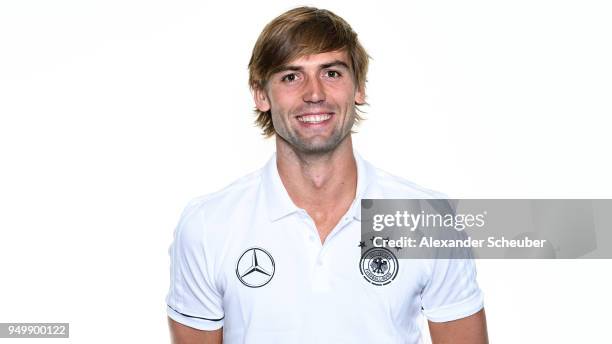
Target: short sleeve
[[193, 299], [451, 292]]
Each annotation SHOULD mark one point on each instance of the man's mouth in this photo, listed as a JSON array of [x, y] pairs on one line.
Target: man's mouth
[[314, 117]]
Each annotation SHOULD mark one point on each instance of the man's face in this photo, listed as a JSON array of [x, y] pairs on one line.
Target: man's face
[[312, 101]]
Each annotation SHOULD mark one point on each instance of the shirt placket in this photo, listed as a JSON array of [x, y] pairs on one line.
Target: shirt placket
[[319, 253]]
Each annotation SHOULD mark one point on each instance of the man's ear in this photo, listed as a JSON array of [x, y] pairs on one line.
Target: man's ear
[[261, 99], [360, 95]]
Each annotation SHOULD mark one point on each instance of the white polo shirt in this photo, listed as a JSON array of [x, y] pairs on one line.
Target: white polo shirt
[[248, 259]]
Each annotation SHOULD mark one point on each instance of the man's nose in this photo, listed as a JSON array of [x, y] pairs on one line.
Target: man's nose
[[313, 91]]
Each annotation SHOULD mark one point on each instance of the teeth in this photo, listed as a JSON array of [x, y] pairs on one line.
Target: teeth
[[314, 118]]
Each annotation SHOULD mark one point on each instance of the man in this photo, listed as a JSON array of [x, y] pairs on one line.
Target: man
[[273, 258]]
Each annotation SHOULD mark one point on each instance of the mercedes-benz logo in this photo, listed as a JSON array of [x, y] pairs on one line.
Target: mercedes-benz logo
[[255, 267]]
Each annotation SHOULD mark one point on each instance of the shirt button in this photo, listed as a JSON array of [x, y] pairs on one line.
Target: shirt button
[[319, 262]]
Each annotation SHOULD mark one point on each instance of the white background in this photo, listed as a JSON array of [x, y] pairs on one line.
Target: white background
[[113, 114]]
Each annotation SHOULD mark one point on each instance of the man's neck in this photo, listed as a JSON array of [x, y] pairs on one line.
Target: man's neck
[[324, 184]]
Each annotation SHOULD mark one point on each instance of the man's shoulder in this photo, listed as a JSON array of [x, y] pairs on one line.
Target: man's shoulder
[[229, 196], [211, 218], [387, 185]]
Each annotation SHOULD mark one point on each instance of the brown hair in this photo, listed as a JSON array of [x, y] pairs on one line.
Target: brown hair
[[296, 33]]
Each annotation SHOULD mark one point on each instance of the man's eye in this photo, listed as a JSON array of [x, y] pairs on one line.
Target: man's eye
[[333, 74], [289, 77]]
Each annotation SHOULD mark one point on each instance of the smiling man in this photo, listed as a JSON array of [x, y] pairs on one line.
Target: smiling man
[[274, 257]]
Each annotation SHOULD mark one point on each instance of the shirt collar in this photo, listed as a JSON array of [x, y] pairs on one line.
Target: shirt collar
[[279, 203]]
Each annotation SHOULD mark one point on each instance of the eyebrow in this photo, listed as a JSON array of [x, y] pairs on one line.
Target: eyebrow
[[334, 63]]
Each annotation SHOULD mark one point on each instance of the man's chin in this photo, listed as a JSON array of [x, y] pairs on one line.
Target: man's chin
[[317, 146], [316, 150]]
